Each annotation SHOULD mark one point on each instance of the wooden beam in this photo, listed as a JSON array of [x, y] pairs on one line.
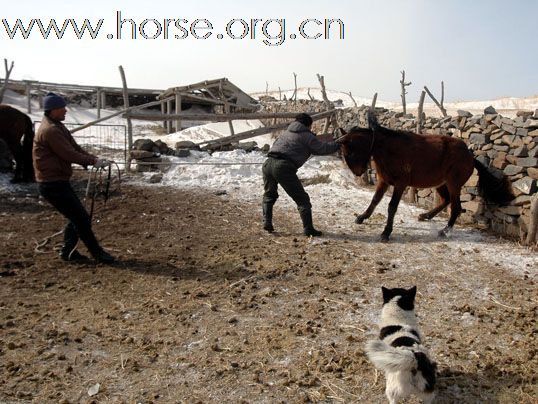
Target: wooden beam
[[123, 111], [441, 107], [260, 131], [214, 117]]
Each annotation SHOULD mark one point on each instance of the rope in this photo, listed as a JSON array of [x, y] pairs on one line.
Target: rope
[[97, 187], [197, 164]]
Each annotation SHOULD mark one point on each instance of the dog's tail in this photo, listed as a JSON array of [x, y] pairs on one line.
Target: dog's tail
[[389, 359]]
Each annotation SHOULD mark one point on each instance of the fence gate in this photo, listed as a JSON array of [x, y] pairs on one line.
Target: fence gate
[[105, 141]]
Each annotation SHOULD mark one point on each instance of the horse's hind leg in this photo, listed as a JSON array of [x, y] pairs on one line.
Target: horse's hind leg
[[455, 210], [378, 195], [393, 206], [443, 203]]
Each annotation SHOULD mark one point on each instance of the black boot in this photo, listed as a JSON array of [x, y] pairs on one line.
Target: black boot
[[69, 249], [103, 257], [306, 217], [73, 256], [268, 217]]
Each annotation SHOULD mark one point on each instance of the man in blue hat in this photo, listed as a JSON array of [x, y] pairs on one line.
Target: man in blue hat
[[54, 151]]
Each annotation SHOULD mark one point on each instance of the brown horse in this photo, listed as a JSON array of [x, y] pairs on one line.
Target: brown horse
[[405, 159], [13, 126]]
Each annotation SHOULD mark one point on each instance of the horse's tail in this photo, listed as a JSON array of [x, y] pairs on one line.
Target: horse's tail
[[372, 121], [27, 146], [494, 185]]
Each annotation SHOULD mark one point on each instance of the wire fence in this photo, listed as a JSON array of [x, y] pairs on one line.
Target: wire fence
[[105, 141]]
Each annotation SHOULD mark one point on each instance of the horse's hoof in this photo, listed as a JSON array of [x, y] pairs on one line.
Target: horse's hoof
[[423, 218], [443, 233], [359, 219], [384, 238]]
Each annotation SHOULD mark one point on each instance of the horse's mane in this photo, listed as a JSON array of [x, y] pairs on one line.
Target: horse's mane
[[404, 134], [376, 127]]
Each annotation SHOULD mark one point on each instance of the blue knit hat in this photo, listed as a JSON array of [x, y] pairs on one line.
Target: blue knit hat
[[53, 101]]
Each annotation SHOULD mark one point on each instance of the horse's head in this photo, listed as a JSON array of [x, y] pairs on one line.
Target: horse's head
[[356, 148]]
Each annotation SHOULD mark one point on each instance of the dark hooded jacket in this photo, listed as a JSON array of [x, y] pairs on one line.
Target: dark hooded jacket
[[298, 143]]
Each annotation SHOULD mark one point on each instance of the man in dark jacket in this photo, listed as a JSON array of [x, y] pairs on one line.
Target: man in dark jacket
[[289, 152], [54, 151]]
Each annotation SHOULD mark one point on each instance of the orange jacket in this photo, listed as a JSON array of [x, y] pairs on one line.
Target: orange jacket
[[55, 150]]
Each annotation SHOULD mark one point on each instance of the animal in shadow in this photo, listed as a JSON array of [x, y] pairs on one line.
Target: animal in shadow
[[14, 127]]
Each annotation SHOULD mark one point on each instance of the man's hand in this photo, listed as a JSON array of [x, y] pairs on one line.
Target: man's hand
[[102, 163]]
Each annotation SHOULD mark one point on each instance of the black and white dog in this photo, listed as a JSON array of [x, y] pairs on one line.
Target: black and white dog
[[398, 352]]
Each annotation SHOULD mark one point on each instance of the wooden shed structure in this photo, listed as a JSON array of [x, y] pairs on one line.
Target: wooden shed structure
[[98, 96], [213, 96]]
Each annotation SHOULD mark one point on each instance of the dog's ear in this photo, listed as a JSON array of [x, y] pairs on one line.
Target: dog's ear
[[412, 292], [387, 294]]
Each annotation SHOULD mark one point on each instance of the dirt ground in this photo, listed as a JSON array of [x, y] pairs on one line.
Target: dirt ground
[[205, 307]]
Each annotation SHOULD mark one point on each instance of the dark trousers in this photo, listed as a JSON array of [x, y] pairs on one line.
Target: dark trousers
[[283, 172], [61, 195]]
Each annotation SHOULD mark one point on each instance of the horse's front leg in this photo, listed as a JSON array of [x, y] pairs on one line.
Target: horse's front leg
[[393, 206], [378, 195], [17, 154]]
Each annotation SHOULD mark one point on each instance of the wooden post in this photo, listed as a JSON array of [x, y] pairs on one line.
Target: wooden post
[[412, 192], [230, 124], [279, 94], [420, 111], [266, 88], [294, 96], [178, 110], [404, 92], [352, 99], [321, 80], [29, 97], [6, 79], [169, 122], [374, 101], [123, 111], [533, 224], [164, 112], [103, 99], [309, 96], [40, 98], [440, 105], [98, 102], [129, 123]]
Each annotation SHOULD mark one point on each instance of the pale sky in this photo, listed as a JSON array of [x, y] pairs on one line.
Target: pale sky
[[480, 49]]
